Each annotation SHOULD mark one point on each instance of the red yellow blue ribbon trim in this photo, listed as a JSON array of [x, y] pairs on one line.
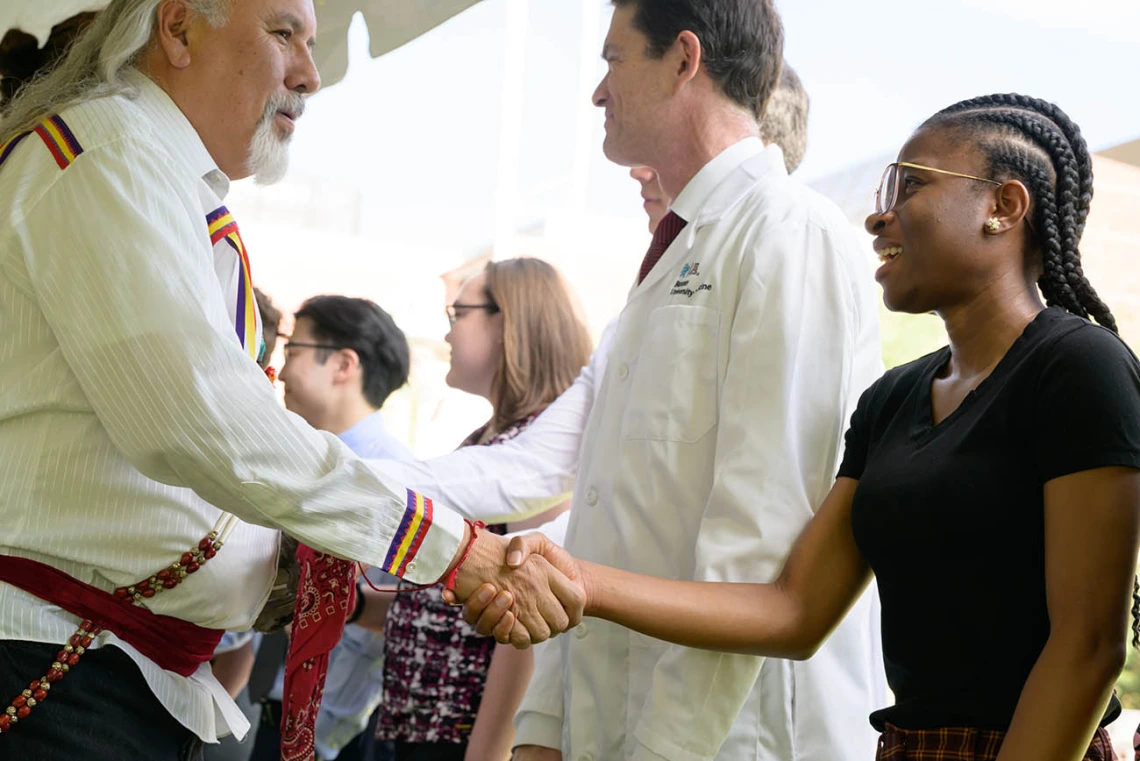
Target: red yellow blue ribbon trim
[[223, 226], [410, 534], [58, 138]]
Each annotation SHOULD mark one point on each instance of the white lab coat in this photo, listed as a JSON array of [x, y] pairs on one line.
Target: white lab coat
[[715, 419]]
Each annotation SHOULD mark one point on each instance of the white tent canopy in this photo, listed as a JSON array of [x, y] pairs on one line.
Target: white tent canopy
[[37, 17], [391, 23]]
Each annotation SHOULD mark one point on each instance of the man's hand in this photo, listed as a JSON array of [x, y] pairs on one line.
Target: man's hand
[[540, 582], [492, 609], [536, 753]]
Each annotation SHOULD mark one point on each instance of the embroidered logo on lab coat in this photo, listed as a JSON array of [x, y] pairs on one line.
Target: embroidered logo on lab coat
[[684, 285]]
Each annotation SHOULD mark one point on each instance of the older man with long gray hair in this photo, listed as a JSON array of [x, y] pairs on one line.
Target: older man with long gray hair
[[138, 434]]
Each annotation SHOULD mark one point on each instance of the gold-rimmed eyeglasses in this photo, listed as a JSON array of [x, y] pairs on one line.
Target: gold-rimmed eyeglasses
[[888, 191]]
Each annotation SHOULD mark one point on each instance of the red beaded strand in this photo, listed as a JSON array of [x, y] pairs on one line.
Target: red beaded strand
[[168, 578]]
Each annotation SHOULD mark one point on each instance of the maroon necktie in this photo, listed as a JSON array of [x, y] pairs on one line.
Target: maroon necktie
[[667, 230]]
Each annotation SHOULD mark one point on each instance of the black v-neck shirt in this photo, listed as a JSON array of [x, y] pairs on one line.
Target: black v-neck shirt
[[951, 516]]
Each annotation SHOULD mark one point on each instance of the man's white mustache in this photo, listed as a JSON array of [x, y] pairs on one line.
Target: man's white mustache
[[291, 104]]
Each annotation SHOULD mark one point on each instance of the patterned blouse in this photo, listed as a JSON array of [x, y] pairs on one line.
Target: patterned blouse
[[435, 664]]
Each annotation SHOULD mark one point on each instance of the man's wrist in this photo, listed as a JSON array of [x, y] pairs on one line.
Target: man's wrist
[[472, 528], [459, 551]]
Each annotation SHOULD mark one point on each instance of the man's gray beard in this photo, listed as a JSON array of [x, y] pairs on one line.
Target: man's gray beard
[[268, 154]]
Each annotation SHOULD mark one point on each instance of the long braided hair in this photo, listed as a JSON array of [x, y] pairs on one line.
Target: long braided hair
[[1035, 142]]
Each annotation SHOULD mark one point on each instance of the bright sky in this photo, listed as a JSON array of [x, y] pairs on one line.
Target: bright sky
[[417, 131]]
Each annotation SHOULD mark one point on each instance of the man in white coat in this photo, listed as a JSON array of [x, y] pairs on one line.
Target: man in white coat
[[708, 425]]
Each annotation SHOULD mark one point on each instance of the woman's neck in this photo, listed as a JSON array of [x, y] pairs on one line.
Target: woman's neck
[[982, 330]]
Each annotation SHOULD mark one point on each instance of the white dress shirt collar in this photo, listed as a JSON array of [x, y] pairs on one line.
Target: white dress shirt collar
[[690, 201], [711, 194], [175, 132]]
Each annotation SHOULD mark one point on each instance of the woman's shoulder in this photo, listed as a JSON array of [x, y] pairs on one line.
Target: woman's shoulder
[[1069, 351], [1071, 339]]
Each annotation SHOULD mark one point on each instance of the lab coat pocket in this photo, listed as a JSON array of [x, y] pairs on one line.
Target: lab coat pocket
[[674, 392]]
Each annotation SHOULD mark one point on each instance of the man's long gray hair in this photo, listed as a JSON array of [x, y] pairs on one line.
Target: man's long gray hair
[[93, 67]]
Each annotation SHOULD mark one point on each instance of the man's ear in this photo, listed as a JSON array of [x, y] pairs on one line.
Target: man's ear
[[688, 53], [173, 32], [346, 363]]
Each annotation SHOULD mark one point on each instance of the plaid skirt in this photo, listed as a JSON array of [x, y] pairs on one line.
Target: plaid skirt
[[963, 744]]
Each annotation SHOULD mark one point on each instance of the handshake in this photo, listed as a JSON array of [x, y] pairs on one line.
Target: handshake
[[523, 591]]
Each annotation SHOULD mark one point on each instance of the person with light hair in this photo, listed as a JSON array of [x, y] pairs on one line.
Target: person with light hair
[[148, 469], [785, 121], [449, 694]]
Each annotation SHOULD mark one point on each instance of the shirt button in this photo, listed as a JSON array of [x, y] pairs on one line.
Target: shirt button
[[623, 372], [586, 757], [591, 496], [411, 567], [581, 630]]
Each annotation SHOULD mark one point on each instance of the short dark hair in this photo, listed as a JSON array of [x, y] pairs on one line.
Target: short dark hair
[[361, 325], [742, 41]]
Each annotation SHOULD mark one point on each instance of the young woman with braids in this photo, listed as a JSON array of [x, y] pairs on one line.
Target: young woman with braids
[[992, 487]]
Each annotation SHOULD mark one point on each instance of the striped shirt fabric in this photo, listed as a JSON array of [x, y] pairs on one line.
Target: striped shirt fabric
[[131, 415]]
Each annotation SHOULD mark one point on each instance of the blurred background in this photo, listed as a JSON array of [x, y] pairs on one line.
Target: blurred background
[[453, 132], [478, 140]]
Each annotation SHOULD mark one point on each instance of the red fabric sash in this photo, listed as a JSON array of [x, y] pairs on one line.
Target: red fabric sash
[[172, 643], [326, 592]]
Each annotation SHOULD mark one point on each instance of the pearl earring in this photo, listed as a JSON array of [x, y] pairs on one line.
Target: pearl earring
[[993, 225]]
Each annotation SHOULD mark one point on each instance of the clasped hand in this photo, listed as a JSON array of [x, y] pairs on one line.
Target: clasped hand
[[523, 591]]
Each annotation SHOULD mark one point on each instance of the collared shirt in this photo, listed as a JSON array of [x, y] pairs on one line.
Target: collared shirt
[[689, 203], [704, 433], [130, 415]]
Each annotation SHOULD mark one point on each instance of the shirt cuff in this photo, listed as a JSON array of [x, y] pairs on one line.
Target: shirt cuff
[[425, 543], [543, 730]]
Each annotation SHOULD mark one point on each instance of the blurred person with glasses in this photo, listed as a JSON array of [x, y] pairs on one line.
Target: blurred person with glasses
[[450, 694], [345, 357]]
